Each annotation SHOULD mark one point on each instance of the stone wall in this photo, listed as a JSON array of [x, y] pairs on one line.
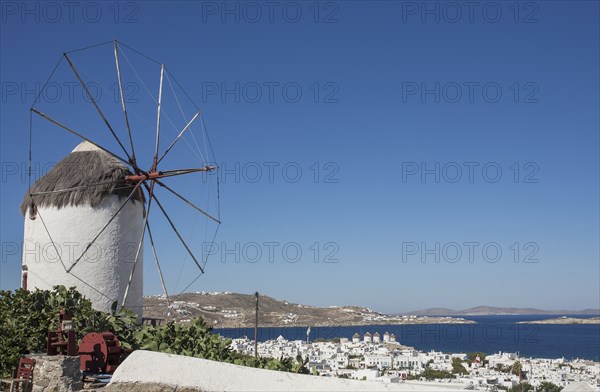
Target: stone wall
[[57, 373]]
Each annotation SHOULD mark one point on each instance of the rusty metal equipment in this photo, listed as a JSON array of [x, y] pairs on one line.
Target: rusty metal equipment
[[100, 352], [62, 341]]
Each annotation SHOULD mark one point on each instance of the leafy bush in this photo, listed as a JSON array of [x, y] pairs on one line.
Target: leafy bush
[[502, 368], [27, 316], [522, 387], [457, 367], [195, 340], [432, 374], [549, 387], [517, 368]]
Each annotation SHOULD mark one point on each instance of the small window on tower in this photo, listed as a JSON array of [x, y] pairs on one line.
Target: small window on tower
[[24, 277]]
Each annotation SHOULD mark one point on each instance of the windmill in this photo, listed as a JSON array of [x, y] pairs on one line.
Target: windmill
[[87, 220]]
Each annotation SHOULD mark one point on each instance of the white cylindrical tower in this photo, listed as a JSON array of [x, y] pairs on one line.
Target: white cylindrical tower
[[68, 207]]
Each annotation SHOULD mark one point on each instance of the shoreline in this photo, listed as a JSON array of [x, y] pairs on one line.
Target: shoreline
[[564, 320], [454, 321]]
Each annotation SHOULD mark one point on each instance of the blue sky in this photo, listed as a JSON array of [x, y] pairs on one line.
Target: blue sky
[[361, 98]]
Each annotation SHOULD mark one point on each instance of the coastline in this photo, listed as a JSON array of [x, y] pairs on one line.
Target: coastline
[[417, 321], [565, 321], [487, 334]]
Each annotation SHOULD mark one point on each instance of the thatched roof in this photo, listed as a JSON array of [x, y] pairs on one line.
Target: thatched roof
[[84, 168]]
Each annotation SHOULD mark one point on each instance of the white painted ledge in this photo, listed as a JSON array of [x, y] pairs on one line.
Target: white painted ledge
[[151, 367]]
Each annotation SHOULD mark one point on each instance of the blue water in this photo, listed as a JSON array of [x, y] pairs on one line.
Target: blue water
[[491, 334]]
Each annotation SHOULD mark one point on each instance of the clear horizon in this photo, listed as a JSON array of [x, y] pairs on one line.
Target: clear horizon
[[382, 154]]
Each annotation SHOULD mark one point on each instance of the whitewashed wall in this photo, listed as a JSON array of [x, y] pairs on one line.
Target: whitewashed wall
[[147, 369], [102, 274]]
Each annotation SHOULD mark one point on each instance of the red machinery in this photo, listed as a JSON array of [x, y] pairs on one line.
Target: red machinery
[[62, 341], [100, 352]]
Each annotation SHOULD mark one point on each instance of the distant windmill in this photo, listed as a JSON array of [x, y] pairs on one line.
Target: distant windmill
[[99, 201]]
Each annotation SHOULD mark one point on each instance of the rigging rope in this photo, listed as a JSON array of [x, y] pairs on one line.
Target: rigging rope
[[185, 120], [154, 99]]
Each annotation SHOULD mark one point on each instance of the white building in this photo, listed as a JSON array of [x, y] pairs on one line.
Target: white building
[[69, 237], [379, 360]]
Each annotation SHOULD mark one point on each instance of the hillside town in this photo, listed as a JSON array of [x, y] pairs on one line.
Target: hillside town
[[382, 358], [224, 309]]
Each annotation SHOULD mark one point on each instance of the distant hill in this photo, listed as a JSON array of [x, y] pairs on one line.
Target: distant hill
[[497, 311], [230, 310]]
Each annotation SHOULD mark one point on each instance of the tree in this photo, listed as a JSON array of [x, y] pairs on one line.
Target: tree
[[472, 356], [522, 387], [432, 374], [549, 387], [457, 367], [517, 368], [502, 368]]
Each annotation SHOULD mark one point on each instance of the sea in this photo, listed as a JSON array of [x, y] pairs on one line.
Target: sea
[[490, 334]]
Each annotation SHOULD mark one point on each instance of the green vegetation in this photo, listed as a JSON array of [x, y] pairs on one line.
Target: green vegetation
[[502, 368], [27, 316], [457, 367], [472, 356], [517, 368], [549, 387], [431, 374], [321, 340], [522, 387]]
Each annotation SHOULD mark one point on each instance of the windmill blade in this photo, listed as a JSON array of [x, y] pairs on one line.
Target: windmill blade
[[162, 72], [176, 231], [139, 247], [178, 172], [179, 136], [188, 202], [200, 274], [86, 139], [162, 280], [123, 101], [89, 245], [90, 96]]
